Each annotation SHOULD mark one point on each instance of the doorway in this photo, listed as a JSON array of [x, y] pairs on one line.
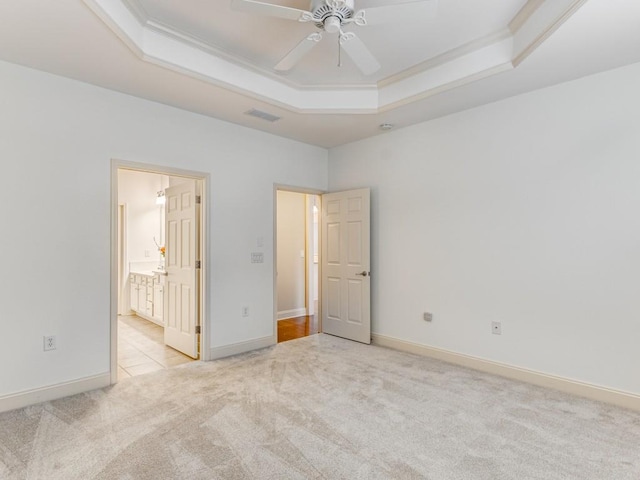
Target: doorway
[[147, 318], [342, 252], [297, 264]]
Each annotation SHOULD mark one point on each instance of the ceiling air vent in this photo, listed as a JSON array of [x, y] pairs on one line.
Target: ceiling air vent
[[263, 115]]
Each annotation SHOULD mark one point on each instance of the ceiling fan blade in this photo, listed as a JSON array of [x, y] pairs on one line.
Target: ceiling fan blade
[[416, 9], [359, 53], [299, 51], [270, 9]]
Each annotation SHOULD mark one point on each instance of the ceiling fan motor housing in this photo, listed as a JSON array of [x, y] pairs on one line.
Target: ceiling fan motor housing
[[331, 13]]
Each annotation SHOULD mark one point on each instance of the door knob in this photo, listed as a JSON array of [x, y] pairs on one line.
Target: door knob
[[364, 273]]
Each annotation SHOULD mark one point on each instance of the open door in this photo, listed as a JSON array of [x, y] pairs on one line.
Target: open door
[[346, 283], [181, 304]]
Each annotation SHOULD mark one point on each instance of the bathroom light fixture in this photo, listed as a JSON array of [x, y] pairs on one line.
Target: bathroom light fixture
[[160, 200]]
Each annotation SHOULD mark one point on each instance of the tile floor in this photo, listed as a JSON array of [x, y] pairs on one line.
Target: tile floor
[[141, 348]]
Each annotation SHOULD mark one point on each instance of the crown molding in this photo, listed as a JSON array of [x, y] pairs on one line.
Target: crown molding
[[161, 45], [522, 16], [446, 57], [540, 23], [138, 11]]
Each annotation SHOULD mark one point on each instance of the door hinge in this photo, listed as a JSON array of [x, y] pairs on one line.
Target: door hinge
[[197, 329], [198, 199], [197, 263]]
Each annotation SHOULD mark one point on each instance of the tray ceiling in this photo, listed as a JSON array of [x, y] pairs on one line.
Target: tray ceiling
[[203, 56]]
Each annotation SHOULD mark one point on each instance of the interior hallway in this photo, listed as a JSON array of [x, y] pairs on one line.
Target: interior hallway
[[292, 328]]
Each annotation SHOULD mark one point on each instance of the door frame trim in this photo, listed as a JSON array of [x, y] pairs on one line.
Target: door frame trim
[[294, 189], [204, 303]]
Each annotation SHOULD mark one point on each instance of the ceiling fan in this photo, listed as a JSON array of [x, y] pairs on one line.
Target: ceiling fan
[[330, 16]]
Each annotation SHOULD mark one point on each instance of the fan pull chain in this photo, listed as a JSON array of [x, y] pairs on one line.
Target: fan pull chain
[[339, 52]]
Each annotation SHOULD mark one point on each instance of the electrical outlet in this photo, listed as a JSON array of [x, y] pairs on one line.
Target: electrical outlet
[[49, 343], [427, 317], [245, 311], [496, 328]]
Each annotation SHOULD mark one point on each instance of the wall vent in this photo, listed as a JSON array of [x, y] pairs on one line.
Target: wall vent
[[263, 115]]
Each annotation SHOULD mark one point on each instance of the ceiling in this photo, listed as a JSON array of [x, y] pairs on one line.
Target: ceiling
[[407, 35], [437, 56]]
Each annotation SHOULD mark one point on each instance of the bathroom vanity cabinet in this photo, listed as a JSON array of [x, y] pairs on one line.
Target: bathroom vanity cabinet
[[147, 295]]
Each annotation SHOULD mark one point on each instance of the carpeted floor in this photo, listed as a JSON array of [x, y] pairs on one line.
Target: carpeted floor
[[320, 407]]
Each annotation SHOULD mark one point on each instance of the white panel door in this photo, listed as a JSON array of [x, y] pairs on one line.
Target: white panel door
[[181, 287], [346, 279]]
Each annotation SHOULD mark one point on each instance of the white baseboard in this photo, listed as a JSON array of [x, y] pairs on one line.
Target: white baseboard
[[296, 312], [242, 347], [586, 390], [53, 392]]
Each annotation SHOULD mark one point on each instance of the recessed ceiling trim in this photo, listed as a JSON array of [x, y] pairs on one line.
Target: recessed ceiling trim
[[523, 15], [168, 52], [447, 57], [157, 44], [194, 42], [443, 88], [126, 27], [542, 22], [206, 68], [137, 10], [470, 67], [146, 21]]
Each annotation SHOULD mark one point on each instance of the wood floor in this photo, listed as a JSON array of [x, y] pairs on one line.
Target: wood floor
[[298, 327], [141, 348]]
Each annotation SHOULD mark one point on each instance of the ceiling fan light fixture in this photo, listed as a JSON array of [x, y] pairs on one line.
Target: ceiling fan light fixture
[[332, 24], [329, 16]]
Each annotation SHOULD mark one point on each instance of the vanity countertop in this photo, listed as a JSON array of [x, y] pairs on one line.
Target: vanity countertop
[[148, 273], [147, 268]]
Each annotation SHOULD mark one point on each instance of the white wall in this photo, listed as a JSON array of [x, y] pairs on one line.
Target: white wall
[[291, 265], [526, 212], [57, 140], [523, 211], [138, 191]]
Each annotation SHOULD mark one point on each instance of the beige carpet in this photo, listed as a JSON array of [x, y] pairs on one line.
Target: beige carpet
[[320, 407]]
